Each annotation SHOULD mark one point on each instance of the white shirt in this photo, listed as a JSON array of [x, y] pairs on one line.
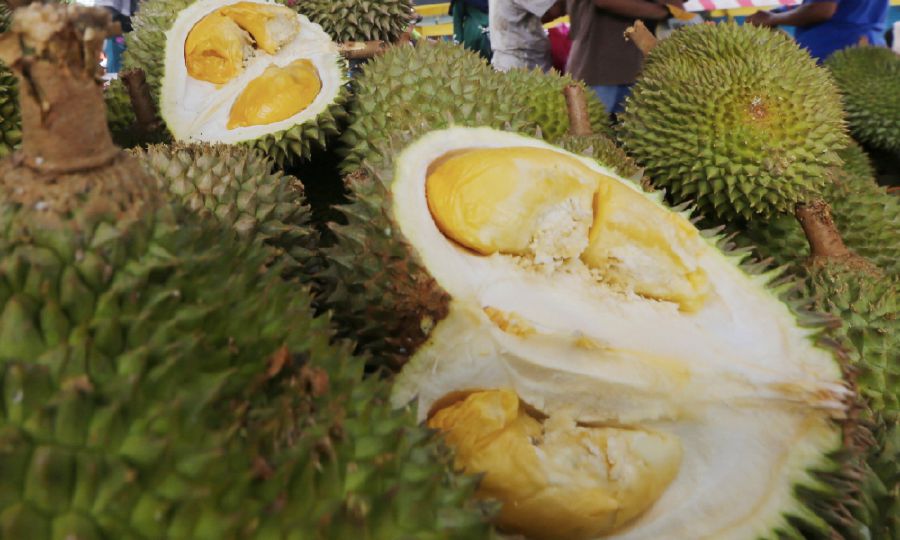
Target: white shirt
[[518, 38]]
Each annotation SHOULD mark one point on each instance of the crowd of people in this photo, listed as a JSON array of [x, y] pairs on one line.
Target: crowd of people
[[510, 33]]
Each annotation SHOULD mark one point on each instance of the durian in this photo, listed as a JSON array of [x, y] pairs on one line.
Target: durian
[[738, 119], [251, 72], [868, 78], [359, 20], [241, 188], [154, 382], [559, 317], [10, 124]]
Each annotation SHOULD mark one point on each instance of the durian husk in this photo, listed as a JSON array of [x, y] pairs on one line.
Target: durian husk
[[359, 20]]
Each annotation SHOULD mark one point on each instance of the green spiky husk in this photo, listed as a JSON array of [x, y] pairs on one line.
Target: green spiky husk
[[146, 46], [604, 151], [410, 90], [542, 94], [10, 123], [868, 78], [358, 20], [241, 189], [120, 114], [736, 118], [867, 217]]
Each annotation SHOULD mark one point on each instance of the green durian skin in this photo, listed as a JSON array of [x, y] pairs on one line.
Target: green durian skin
[[605, 151], [867, 216], [410, 90], [358, 20], [738, 119], [868, 78], [241, 188], [146, 46], [10, 121], [542, 94]]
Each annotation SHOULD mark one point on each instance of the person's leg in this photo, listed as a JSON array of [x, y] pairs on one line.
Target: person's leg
[[622, 92], [607, 94]]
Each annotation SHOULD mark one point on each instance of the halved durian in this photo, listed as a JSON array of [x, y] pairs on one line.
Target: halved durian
[[574, 292], [250, 72]]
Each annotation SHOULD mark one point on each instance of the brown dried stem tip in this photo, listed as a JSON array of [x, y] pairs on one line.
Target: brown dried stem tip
[[141, 101], [361, 50], [821, 233], [641, 36], [579, 119], [54, 50]]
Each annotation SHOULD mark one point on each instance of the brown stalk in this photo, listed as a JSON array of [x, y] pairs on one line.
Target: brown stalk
[[641, 37], [141, 101], [360, 50], [579, 119], [821, 232]]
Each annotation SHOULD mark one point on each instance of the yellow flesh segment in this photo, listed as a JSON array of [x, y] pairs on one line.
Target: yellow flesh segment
[[556, 480], [214, 49], [502, 199], [254, 18], [276, 95]]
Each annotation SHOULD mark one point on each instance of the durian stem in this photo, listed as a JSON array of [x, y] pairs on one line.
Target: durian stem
[[641, 37], [362, 50], [55, 51], [579, 119], [821, 232], [141, 101]]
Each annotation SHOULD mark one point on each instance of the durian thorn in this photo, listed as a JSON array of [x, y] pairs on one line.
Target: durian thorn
[[641, 37], [362, 50], [55, 50], [579, 120], [141, 101]]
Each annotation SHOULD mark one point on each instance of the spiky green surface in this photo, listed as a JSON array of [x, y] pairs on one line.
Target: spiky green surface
[[240, 188], [868, 78], [604, 150], [738, 118], [156, 384], [146, 46], [409, 90], [10, 123], [358, 20], [542, 94], [120, 114], [866, 215]]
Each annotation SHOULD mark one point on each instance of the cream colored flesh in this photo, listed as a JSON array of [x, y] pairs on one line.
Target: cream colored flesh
[[741, 386], [199, 111]]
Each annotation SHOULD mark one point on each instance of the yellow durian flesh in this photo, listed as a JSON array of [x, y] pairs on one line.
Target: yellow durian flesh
[[551, 207], [215, 49], [277, 94], [270, 25], [555, 479]]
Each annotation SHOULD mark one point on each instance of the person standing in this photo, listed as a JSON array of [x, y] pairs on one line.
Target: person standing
[[600, 55], [518, 38], [471, 25], [114, 46], [827, 26]]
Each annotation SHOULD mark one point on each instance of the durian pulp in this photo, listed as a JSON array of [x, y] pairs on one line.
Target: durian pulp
[[553, 210], [566, 481], [733, 378], [239, 71]]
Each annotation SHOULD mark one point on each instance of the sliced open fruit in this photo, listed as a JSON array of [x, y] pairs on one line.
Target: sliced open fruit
[[251, 72], [599, 334]]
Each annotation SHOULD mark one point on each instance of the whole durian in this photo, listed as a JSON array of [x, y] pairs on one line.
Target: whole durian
[[241, 188], [868, 78], [737, 118], [564, 326], [10, 124], [252, 72], [432, 85], [359, 20], [156, 383]]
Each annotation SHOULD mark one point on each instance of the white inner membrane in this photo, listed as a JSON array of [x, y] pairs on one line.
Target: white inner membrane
[[746, 391], [199, 110]]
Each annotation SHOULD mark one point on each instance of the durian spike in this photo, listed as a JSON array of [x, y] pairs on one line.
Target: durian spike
[[54, 50], [579, 119], [141, 101], [641, 37], [825, 242]]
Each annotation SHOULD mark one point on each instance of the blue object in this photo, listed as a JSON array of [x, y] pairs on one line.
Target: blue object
[[613, 96], [113, 47], [853, 20]]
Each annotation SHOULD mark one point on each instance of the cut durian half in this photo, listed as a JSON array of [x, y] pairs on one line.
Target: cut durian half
[[592, 301], [247, 71]]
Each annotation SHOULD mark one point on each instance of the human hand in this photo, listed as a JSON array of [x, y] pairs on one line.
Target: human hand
[[762, 18]]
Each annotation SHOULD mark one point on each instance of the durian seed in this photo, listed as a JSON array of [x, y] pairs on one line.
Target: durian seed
[[276, 95]]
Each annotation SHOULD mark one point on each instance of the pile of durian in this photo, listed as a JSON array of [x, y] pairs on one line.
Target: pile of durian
[[497, 316]]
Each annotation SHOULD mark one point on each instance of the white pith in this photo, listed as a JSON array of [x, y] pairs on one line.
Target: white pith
[[741, 385], [196, 110]]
